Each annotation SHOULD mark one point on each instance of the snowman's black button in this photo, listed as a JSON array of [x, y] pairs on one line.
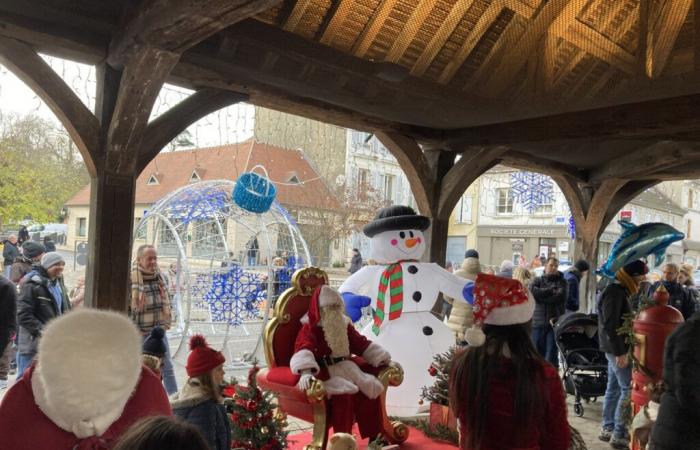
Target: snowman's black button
[[417, 296], [412, 269], [427, 331]]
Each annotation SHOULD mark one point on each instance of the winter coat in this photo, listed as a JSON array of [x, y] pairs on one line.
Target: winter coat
[[550, 430], [462, 317], [195, 407], [35, 307], [24, 426], [20, 268], [549, 291], [49, 246], [355, 263], [9, 252], [679, 298], [573, 281], [8, 311], [614, 304], [676, 426]]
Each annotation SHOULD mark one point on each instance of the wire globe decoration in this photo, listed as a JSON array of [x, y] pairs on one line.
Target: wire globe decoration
[[224, 266]]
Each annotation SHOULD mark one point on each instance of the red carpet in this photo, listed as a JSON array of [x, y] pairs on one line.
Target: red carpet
[[416, 441]]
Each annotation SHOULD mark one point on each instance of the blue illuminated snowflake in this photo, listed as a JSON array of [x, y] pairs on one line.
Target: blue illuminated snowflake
[[572, 227], [235, 295], [531, 190], [197, 205]]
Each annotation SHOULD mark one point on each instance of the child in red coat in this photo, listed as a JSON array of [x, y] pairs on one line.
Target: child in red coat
[[85, 389], [503, 393]]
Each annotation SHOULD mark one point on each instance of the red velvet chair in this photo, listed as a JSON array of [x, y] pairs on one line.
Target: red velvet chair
[[279, 337]]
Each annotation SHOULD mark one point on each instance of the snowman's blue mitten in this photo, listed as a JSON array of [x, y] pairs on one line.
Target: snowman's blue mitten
[[468, 292], [354, 304]]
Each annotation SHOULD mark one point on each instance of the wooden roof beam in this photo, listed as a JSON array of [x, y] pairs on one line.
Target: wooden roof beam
[[532, 163], [364, 41], [339, 11], [459, 9], [176, 25], [664, 34], [655, 158], [591, 41], [295, 16], [410, 29]]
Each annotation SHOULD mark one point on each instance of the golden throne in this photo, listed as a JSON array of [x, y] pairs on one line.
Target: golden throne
[[279, 337]]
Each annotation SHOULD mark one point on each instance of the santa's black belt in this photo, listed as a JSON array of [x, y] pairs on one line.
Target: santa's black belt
[[329, 360]]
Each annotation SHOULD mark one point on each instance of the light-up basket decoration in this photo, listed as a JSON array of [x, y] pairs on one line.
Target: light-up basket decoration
[[232, 266], [253, 192]]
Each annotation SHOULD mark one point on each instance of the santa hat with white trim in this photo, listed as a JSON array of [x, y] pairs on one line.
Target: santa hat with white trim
[[498, 301]]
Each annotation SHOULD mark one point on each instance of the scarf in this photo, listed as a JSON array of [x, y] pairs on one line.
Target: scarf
[[392, 281], [627, 282], [138, 295]]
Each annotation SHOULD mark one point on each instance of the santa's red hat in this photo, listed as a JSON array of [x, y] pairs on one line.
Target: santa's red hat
[[202, 358], [322, 296], [498, 301]]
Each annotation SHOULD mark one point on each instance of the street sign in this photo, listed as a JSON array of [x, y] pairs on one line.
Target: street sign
[[626, 216]]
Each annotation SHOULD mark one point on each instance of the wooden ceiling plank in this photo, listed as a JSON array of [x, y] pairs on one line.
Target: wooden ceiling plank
[[336, 21], [599, 84], [593, 42], [370, 32], [297, 13], [572, 91], [480, 27], [565, 70], [519, 7], [440, 37], [556, 13], [664, 35], [410, 29]]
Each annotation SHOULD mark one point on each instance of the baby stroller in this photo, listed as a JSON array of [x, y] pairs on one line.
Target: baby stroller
[[585, 366]]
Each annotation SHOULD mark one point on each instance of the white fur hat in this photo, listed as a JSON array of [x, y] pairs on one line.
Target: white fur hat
[[87, 368]]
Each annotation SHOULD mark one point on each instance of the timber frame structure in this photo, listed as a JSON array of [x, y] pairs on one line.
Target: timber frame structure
[[602, 95]]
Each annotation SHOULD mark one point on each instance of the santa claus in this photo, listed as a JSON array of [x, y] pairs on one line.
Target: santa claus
[[324, 349]]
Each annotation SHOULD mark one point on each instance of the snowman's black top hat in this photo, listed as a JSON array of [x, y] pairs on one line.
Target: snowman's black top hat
[[396, 217]]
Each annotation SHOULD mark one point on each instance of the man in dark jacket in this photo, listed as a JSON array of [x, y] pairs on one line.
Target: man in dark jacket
[[573, 281], [8, 326], [356, 261], [9, 253], [676, 426], [43, 297], [679, 297], [31, 255], [549, 291], [614, 304]]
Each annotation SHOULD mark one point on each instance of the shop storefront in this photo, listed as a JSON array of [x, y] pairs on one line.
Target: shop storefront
[[499, 243]]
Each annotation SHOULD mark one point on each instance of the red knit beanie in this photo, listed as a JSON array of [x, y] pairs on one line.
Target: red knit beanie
[[202, 358]]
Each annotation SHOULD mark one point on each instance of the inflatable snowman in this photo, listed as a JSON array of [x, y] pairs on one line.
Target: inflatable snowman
[[402, 292]]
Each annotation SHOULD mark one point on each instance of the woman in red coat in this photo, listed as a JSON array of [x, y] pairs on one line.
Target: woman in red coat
[[504, 394], [85, 389]]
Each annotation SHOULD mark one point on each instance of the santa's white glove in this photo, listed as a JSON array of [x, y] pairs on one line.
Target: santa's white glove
[[305, 381]]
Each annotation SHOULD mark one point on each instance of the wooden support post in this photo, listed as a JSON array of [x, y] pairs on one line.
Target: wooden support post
[[110, 228]]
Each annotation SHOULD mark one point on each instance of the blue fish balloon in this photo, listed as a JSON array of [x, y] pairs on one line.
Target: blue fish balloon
[[637, 242]]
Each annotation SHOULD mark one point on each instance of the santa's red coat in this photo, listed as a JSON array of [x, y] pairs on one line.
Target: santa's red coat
[[344, 409], [24, 426]]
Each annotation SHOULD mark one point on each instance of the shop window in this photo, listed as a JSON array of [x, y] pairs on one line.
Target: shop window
[[81, 227], [504, 201], [464, 210], [388, 188], [688, 228]]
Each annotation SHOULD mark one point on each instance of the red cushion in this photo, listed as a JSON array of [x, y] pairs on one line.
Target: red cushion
[[282, 375]]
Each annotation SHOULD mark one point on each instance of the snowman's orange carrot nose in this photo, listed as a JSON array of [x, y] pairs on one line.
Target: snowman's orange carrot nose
[[410, 243]]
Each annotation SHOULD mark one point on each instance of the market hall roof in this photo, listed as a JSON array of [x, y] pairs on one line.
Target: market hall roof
[[450, 73]]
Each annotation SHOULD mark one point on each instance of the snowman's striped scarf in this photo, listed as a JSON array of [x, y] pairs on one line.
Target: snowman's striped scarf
[[391, 281]]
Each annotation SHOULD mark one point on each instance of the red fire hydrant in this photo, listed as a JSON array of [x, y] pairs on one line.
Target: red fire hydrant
[[651, 328]]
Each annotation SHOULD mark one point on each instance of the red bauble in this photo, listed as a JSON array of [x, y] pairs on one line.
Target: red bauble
[[432, 371], [252, 405]]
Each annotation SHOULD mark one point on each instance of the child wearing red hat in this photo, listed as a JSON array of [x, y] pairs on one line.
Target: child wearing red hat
[[524, 406], [200, 402]]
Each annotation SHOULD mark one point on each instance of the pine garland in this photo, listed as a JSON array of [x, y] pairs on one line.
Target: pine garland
[[255, 425], [438, 432]]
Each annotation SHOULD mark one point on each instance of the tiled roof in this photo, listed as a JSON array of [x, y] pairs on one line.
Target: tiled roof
[[174, 169]]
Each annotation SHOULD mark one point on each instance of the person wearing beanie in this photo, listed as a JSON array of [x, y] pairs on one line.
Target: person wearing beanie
[[573, 278], [31, 255], [461, 316], [525, 405], [200, 402], [153, 350], [506, 269], [44, 282], [86, 388], [471, 253], [613, 306]]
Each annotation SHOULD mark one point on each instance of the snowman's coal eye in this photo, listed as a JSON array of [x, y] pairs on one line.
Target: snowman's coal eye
[[402, 235], [410, 233]]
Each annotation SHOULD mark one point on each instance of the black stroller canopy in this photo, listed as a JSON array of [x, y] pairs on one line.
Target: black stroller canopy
[[576, 321]]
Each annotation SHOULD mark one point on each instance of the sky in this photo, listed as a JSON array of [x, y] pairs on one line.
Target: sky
[[228, 125]]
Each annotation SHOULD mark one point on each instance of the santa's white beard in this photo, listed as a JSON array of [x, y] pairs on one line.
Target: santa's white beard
[[335, 330]]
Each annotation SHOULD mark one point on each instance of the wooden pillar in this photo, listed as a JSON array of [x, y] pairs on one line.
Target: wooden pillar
[[110, 229]]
